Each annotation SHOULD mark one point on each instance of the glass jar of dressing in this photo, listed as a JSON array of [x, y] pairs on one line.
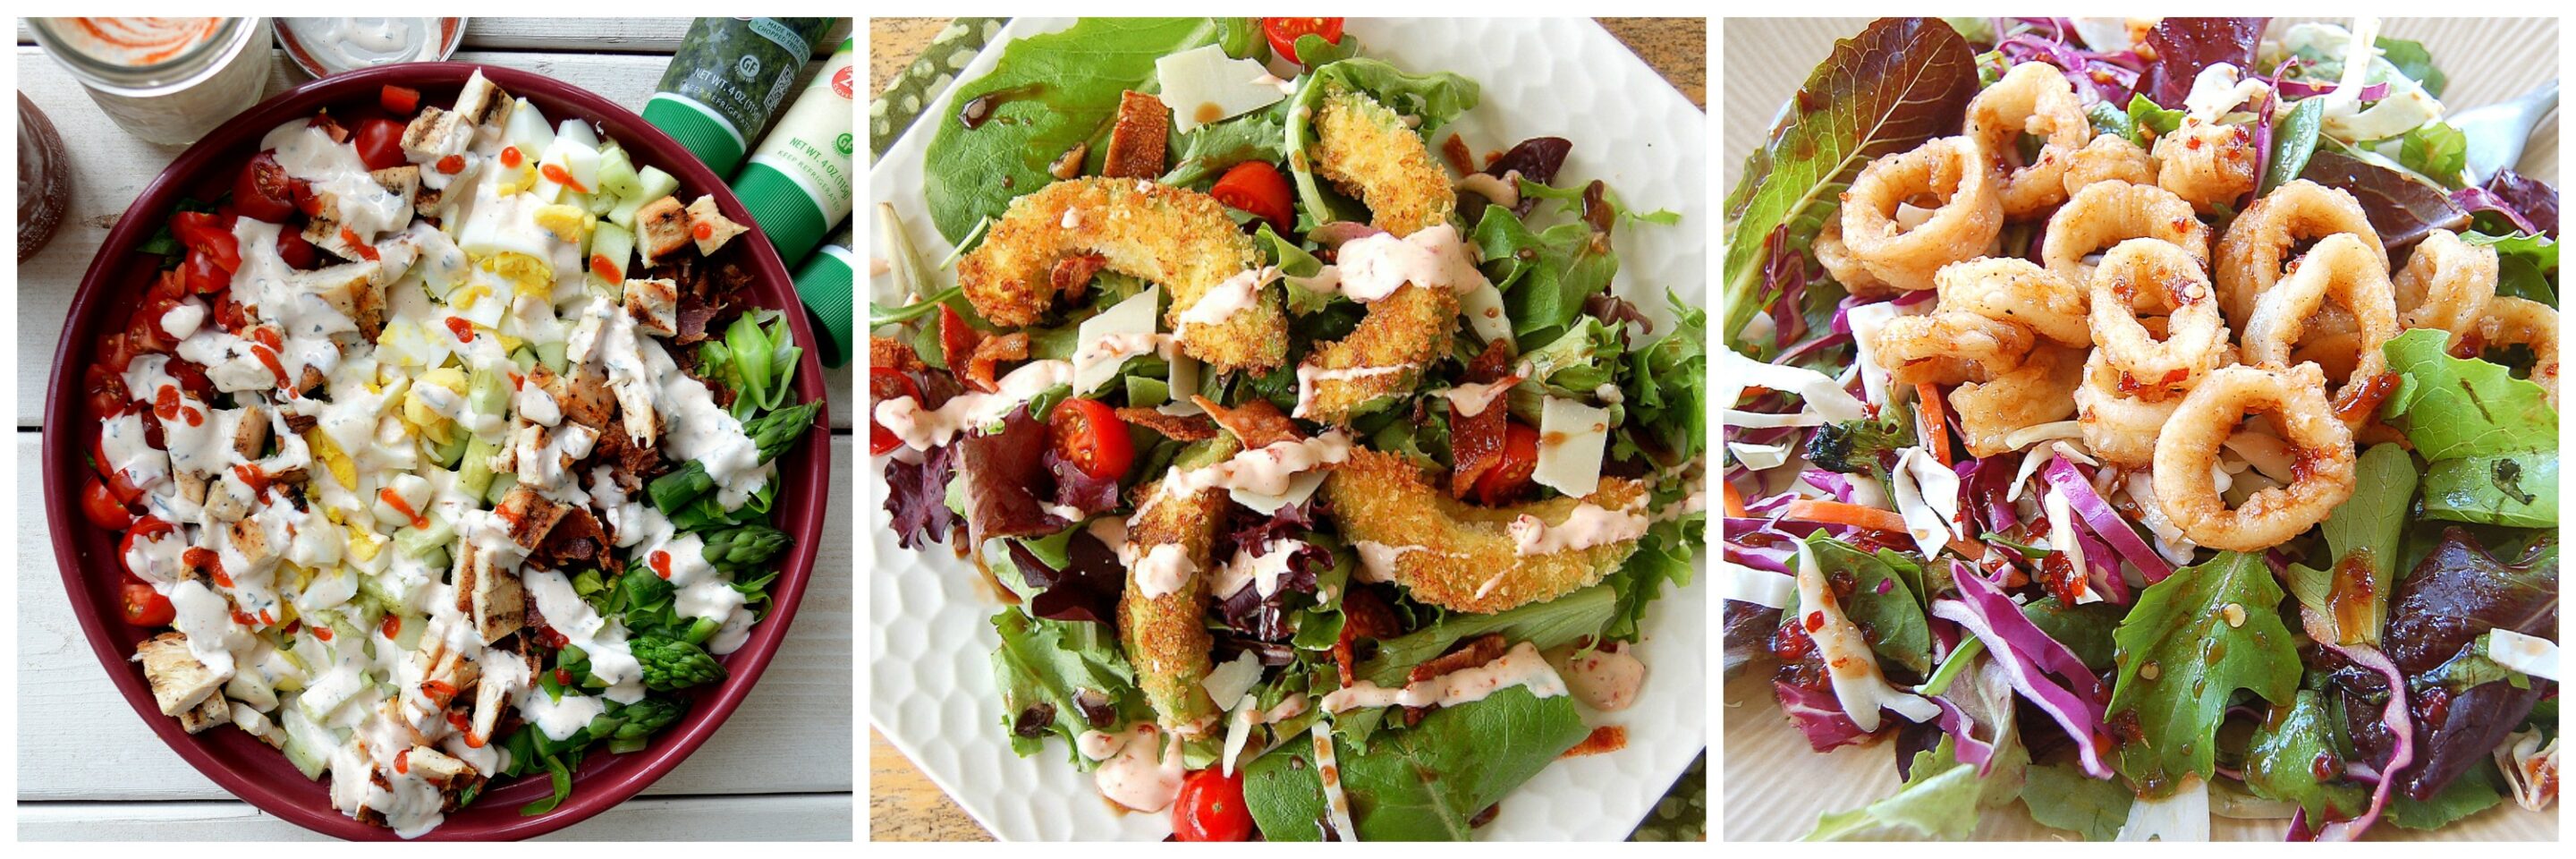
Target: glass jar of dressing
[[166, 80]]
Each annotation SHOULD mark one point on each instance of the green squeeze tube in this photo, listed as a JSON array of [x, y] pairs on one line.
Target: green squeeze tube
[[727, 80], [826, 283], [797, 185]]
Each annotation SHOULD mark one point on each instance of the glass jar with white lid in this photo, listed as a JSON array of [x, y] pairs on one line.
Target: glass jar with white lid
[[166, 80]]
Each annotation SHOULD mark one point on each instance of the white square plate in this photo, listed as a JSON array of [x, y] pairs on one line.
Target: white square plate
[[929, 636]]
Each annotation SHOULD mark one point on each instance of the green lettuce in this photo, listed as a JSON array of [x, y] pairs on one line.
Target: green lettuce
[[2060, 796], [2490, 440], [1043, 665], [1942, 799], [2281, 760], [2188, 644]]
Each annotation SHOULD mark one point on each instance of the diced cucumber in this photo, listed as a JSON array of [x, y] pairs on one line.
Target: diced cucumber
[[653, 184], [617, 174], [614, 242], [475, 475], [249, 687], [502, 483], [525, 357], [447, 454], [417, 542], [488, 393], [551, 354], [308, 744], [408, 637]]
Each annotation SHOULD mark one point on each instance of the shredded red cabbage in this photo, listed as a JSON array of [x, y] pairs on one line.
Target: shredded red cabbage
[[2026, 655], [2537, 202], [1818, 715], [2477, 200], [2105, 522], [1981, 698], [2401, 730]]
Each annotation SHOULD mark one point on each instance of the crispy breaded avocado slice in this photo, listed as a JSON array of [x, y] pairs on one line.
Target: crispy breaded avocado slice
[[1468, 561], [1382, 358], [1368, 150], [1175, 237], [1166, 636]]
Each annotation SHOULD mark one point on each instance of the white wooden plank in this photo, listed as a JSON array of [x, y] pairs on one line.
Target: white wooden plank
[[791, 817], [110, 168], [78, 740], [622, 35]]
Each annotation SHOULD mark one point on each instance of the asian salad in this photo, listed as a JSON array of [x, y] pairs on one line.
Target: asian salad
[[2142, 420], [442, 448], [1321, 476]]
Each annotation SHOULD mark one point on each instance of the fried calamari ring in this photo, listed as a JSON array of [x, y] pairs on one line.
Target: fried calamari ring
[[2166, 278], [2320, 444], [2040, 391], [2253, 253], [1952, 179], [1845, 268], [1947, 347], [2340, 269], [2016, 290], [2032, 98], [2109, 158], [2118, 428], [2108, 213], [2206, 163], [2512, 320], [2446, 284]]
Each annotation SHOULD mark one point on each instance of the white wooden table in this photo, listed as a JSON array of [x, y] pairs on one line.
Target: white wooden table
[[88, 767]]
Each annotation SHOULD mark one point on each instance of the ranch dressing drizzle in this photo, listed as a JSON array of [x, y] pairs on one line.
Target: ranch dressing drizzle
[[923, 429], [1264, 470], [1373, 267], [1237, 294], [1588, 526], [1521, 666]]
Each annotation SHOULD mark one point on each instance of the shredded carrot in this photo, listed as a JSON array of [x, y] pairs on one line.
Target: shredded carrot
[[1932, 420], [1841, 513], [1734, 502]]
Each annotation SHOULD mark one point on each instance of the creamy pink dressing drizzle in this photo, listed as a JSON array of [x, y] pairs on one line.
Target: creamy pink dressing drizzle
[[1129, 772], [923, 429], [1235, 295], [1472, 398], [1588, 526], [1521, 666], [1606, 679]]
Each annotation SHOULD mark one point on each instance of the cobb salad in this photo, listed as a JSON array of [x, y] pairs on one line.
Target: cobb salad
[[442, 446], [1319, 474], [2145, 420]]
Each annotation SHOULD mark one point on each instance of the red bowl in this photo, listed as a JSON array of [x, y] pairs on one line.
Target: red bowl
[[88, 556]]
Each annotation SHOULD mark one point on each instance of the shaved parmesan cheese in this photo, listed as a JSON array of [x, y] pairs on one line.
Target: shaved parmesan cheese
[[2183, 816], [2531, 655], [1238, 730], [1337, 805], [1203, 85], [1571, 437], [1184, 380], [1231, 680], [1132, 316], [1759, 587], [1927, 495], [1824, 397], [1759, 456], [1858, 685], [1300, 488]]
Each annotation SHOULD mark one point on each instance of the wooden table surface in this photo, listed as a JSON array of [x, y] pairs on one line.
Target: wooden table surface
[[903, 804], [88, 767]]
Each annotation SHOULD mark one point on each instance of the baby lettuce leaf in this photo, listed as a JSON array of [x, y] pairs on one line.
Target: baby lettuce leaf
[[1900, 82], [2458, 593], [1209, 150], [1544, 275], [2434, 149], [2281, 762], [2457, 407], [1053, 672], [1881, 602], [2413, 61], [2061, 796], [2401, 205], [1941, 798], [2526, 265], [2475, 791], [1424, 783], [2191, 641], [1055, 90], [2085, 629], [2351, 596], [1559, 621]]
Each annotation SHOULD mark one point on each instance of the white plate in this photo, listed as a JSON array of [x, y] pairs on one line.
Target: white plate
[[1780, 785], [930, 676]]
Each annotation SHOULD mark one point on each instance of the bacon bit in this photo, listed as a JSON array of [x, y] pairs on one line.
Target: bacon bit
[[511, 157], [561, 177], [1476, 441], [1183, 428], [1256, 423], [1456, 151], [1932, 420], [1474, 652], [452, 165], [551, 639], [1364, 615], [395, 500], [992, 350], [461, 327], [393, 626], [1604, 739], [2363, 400], [660, 561], [890, 352], [1072, 274], [605, 268]]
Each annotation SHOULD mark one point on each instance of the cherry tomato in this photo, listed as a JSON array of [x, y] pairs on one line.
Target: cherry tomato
[[1283, 33], [1511, 475], [102, 508], [146, 607], [204, 273], [380, 143], [1210, 808], [399, 100], [264, 192], [294, 249], [956, 339], [145, 528], [305, 200], [1089, 434], [1257, 188], [208, 233], [886, 383]]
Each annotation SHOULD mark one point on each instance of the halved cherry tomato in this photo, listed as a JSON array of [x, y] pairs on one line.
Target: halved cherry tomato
[[146, 607], [380, 143], [1510, 476], [204, 273], [264, 192], [305, 200], [102, 508], [209, 234], [295, 249], [886, 383], [399, 100], [1257, 188], [145, 528], [1283, 33], [1089, 434], [1210, 808]]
